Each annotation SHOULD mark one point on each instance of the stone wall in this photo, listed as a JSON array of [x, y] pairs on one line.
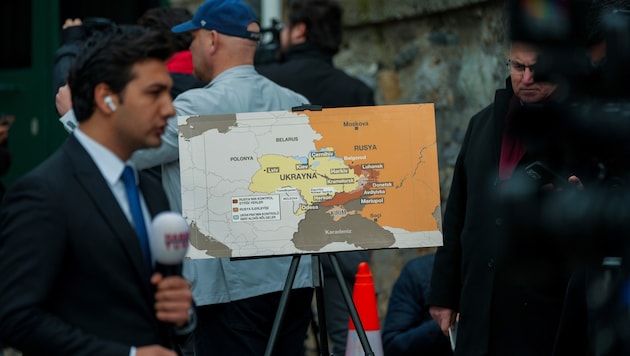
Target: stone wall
[[448, 52]]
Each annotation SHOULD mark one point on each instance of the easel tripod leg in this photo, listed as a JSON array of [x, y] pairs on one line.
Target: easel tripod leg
[[282, 306], [321, 312]]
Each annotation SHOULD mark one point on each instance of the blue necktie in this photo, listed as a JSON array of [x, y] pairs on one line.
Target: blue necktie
[[131, 188]]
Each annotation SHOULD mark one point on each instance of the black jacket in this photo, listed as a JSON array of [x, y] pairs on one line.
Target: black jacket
[[71, 275], [72, 42], [409, 329], [496, 268], [310, 72]]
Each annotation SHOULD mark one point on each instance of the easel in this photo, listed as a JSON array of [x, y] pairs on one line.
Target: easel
[[319, 296], [319, 293]]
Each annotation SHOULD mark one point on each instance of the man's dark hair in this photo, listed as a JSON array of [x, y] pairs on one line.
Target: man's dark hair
[[163, 19], [323, 20], [108, 58]]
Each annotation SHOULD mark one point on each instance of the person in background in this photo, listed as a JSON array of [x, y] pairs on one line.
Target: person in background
[[161, 19], [309, 40], [74, 33], [76, 272], [236, 299], [409, 329], [505, 280], [180, 65]]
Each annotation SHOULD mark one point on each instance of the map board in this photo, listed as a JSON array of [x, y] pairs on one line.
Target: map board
[[285, 183]]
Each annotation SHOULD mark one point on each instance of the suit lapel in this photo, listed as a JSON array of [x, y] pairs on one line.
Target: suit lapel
[[95, 186]]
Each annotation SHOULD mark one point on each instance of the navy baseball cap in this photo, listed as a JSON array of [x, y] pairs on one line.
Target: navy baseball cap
[[229, 17]]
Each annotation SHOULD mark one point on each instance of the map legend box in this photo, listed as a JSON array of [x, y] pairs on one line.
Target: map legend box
[[256, 208]]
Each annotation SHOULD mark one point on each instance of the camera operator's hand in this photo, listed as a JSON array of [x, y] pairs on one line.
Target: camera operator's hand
[[5, 124], [4, 133], [71, 23], [576, 182], [63, 100]]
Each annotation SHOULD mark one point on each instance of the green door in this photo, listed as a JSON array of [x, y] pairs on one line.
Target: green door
[[30, 32], [27, 44]]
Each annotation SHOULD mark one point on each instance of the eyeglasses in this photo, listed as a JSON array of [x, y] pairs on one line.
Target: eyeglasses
[[519, 67]]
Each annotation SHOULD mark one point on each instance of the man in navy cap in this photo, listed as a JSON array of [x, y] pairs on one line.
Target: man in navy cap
[[237, 300]]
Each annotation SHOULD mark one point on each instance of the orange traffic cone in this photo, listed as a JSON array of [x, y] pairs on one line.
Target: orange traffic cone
[[364, 297]]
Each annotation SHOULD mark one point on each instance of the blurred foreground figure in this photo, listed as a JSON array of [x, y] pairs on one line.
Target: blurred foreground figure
[[594, 222]]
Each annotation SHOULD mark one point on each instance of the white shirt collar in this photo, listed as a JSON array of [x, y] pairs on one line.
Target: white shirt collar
[[108, 163]]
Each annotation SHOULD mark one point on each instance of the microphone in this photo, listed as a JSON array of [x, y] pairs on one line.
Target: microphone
[[168, 240]]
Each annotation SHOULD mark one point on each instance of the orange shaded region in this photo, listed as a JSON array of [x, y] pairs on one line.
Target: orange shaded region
[[393, 148], [342, 198]]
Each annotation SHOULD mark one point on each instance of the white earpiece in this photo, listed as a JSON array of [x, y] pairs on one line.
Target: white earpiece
[[110, 103]]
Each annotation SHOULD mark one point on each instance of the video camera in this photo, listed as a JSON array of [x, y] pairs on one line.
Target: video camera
[[73, 38], [565, 32], [268, 50], [586, 131], [593, 95], [94, 25]]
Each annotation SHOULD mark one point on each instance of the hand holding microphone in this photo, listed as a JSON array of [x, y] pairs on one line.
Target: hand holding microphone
[[169, 243]]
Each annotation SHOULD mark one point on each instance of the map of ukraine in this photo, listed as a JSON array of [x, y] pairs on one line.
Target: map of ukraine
[[279, 183]]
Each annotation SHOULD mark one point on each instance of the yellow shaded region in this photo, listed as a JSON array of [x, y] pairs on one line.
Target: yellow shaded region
[[402, 139], [279, 171]]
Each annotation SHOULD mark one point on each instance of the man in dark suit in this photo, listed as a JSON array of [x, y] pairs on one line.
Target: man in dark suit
[[75, 276], [496, 270]]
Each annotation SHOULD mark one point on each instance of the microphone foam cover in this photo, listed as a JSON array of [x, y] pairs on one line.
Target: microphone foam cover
[[169, 238]]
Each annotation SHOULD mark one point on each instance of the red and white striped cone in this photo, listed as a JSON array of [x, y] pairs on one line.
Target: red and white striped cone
[[364, 297]]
